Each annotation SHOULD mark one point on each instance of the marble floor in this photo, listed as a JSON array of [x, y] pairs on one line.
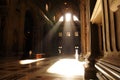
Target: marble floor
[[37, 69]]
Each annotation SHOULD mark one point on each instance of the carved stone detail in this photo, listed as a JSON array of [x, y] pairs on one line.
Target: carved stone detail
[[114, 5]]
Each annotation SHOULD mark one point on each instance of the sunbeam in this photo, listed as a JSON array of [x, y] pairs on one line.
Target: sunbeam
[[53, 30]]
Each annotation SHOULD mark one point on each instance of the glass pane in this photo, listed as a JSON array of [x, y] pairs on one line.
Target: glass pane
[[68, 34], [76, 34]]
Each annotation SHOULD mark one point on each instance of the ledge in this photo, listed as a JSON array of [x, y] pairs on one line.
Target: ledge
[[97, 13]]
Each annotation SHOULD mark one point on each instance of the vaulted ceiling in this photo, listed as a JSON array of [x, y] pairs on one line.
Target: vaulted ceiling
[[62, 6], [59, 7]]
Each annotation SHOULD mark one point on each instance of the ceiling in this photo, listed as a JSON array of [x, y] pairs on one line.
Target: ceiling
[[59, 7], [62, 6]]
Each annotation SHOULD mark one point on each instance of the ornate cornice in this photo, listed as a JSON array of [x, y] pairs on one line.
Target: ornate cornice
[[96, 15], [114, 5]]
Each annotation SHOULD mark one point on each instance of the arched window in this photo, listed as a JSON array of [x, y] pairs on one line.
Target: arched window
[[68, 17]]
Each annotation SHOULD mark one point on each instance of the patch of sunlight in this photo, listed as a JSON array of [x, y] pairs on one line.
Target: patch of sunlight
[[67, 68], [28, 61]]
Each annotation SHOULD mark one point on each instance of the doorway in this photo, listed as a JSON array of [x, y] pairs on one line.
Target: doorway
[[28, 34]]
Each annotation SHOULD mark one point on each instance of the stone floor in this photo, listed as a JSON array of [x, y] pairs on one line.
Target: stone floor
[[11, 69]]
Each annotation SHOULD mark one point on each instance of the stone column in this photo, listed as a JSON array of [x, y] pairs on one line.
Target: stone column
[[83, 25]]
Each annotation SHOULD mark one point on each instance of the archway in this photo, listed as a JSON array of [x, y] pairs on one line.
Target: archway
[[28, 33], [69, 34]]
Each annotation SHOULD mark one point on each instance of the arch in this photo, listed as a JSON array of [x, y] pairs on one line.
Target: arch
[[28, 33], [69, 34], [68, 17]]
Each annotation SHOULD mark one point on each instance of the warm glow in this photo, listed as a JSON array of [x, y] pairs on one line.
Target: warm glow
[[61, 18], [75, 18], [65, 3], [28, 61], [67, 67], [68, 34], [76, 34], [46, 7], [54, 18], [68, 17]]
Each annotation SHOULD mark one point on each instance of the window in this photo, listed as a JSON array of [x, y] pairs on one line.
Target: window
[[76, 34], [46, 7], [68, 34], [61, 19], [68, 17], [54, 18], [75, 18]]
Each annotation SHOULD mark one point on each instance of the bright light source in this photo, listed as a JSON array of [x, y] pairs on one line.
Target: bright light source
[[68, 17], [61, 18], [75, 18], [68, 34], [67, 68], [28, 61]]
